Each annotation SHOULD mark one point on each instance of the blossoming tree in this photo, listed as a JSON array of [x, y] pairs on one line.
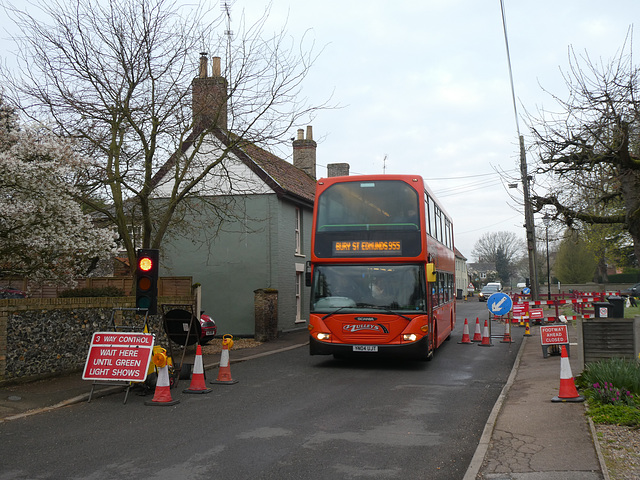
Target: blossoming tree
[[45, 235]]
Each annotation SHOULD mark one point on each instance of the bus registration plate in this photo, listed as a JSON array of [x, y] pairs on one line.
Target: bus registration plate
[[365, 348]]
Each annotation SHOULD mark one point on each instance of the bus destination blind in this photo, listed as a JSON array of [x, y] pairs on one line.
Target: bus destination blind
[[367, 248]]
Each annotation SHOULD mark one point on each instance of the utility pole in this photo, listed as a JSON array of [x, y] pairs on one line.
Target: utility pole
[[528, 210], [529, 224]]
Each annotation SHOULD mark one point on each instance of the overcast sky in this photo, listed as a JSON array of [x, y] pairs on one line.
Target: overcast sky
[[425, 84]]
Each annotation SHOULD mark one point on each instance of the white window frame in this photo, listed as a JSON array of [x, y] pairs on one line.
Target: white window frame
[[298, 232], [298, 292]]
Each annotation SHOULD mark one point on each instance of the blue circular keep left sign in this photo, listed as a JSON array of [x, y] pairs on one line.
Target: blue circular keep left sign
[[499, 303]]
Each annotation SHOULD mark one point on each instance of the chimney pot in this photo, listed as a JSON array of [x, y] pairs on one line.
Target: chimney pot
[[309, 132], [300, 134], [203, 65], [215, 66]]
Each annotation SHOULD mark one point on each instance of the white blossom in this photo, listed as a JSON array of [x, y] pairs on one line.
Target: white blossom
[[44, 233]]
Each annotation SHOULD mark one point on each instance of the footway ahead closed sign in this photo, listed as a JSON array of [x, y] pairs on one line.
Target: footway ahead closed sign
[[115, 356]]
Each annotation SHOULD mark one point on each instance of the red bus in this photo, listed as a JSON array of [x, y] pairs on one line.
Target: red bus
[[382, 268]]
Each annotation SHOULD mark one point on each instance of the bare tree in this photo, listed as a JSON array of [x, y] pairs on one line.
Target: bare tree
[[487, 246], [115, 76], [504, 249], [589, 148]]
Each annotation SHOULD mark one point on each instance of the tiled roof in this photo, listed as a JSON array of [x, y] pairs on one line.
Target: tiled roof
[[282, 176], [285, 179], [458, 254]]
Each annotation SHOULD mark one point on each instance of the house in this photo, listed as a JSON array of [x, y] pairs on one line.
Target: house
[[482, 272], [462, 276], [253, 214]]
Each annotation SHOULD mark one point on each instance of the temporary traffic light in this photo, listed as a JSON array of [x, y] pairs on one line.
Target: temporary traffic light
[[147, 267]]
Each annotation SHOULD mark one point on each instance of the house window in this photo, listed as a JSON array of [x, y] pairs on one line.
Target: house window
[[298, 232], [299, 296], [135, 231]]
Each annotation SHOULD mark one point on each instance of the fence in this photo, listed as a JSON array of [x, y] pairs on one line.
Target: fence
[[167, 286]]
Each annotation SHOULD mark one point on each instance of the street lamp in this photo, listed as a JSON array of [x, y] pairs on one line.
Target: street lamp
[[546, 220]]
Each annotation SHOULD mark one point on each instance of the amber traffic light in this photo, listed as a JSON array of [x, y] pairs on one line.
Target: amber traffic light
[[147, 267]]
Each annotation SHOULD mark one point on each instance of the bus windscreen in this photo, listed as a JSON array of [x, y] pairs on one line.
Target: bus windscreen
[[361, 288], [368, 219]]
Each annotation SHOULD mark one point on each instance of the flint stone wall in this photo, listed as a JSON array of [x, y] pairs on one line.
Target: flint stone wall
[[40, 338]]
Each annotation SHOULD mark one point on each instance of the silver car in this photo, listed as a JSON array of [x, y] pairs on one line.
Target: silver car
[[487, 291]]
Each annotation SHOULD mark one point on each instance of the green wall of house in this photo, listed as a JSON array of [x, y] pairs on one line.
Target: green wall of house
[[254, 251]]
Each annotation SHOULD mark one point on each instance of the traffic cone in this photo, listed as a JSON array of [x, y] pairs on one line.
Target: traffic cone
[[197, 378], [224, 371], [465, 333], [477, 336], [162, 394], [486, 338], [506, 338], [568, 391], [527, 329]]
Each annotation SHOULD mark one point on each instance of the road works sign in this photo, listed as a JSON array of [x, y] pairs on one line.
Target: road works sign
[[520, 310], [117, 356], [536, 313], [554, 334]]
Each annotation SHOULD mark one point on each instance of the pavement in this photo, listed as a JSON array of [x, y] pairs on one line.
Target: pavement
[[527, 437]]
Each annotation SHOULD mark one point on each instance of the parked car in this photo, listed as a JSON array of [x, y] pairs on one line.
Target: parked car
[[487, 291], [12, 293], [208, 328], [632, 291], [177, 325]]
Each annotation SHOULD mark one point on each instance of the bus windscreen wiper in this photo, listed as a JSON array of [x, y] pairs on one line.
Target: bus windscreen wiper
[[384, 309], [334, 312]]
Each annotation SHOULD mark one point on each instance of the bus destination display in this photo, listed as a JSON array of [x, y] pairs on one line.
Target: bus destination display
[[368, 248]]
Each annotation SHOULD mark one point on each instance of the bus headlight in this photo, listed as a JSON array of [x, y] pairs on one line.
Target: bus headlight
[[409, 337], [323, 336]]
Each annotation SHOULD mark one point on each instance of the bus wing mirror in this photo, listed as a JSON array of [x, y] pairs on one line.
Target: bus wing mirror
[[431, 272], [307, 274]]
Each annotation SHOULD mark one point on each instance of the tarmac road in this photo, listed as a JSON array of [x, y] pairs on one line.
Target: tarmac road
[[526, 437]]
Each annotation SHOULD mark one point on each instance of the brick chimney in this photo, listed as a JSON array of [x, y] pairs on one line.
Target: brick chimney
[[338, 170], [304, 152], [209, 96]]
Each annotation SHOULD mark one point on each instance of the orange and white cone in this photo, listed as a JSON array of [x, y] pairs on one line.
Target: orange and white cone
[[162, 395], [486, 337], [465, 333], [506, 338], [568, 391], [197, 378], [224, 371], [477, 335]]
